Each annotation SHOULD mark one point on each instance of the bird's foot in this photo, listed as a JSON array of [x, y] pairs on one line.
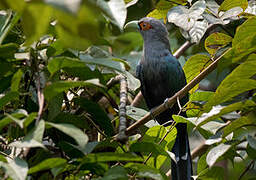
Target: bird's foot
[[166, 105]]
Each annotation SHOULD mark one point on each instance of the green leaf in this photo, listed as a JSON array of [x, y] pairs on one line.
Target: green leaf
[[248, 28], [7, 98], [69, 6], [31, 117], [219, 110], [8, 50], [144, 171], [228, 4], [115, 173], [7, 120], [16, 80], [31, 143], [216, 41], [11, 20], [55, 88], [99, 116], [110, 156], [216, 152], [238, 123], [135, 113], [201, 165], [252, 141], [194, 66], [47, 164], [36, 133], [36, 18], [235, 83], [16, 169], [115, 10], [111, 62], [215, 172], [148, 147], [161, 9], [179, 119], [73, 132]]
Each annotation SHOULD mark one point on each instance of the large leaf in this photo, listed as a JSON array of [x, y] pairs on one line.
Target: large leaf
[[73, 132], [216, 152], [8, 50], [110, 156], [216, 41], [47, 164], [99, 116], [116, 172], [161, 9], [66, 5], [15, 168], [55, 88], [235, 83], [143, 171], [228, 4], [7, 98], [238, 123], [16, 80], [35, 23], [114, 9], [194, 66]]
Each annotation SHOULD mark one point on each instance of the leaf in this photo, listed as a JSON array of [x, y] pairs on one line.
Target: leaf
[[66, 5], [135, 113], [194, 66], [179, 119], [197, 31], [35, 23], [16, 169], [31, 143], [219, 110], [5, 121], [216, 41], [7, 98], [115, 11], [216, 152], [31, 117], [55, 88], [8, 50], [99, 116], [143, 171], [47, 164], [235, 83], [69, 129], [238, 123], [248, 28], [36, 133], [110, 156], [252, 141], [116, 172], [16, 80], [112, 63], [161, 9], [228, 4], [201, 165]]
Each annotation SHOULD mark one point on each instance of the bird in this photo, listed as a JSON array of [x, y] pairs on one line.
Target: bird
[[161, 76]]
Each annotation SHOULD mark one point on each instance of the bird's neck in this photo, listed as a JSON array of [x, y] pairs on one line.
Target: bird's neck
[[155, 49]]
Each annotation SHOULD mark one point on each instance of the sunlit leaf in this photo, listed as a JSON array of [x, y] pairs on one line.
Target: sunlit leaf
[[216, 152], [70, 6], [16, 80], [16, 168], [55, 88], [47, 164], [228, 4], [216, 41]]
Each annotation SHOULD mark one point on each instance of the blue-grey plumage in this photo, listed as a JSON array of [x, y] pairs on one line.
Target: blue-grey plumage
[[161, 76]]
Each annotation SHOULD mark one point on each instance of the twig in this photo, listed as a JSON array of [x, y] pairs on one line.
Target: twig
[[40, 97], [95, 125], [247, 169], [161, 108], [122, 110]]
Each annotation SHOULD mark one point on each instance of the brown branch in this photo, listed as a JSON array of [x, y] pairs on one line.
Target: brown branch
[[180, 94], [122, 110], [198, 151]]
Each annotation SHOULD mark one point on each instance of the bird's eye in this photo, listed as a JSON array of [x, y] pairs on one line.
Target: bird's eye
[[145, 26]]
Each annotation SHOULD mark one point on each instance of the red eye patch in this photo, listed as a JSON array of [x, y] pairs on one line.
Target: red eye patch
[[145, 26]]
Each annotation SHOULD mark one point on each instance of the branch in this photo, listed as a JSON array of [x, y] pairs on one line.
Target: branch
[[180, 94], [122, 110]]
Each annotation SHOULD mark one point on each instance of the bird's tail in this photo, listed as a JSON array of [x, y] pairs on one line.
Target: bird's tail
[[182, 168]]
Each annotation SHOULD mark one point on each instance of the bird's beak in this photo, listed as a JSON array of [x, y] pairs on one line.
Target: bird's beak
[[132, 26]]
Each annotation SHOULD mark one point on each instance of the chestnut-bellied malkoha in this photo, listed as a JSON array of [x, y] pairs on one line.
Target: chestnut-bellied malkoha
[[161, 76]]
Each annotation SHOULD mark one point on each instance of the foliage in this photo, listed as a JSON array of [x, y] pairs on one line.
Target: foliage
[[58, 109]]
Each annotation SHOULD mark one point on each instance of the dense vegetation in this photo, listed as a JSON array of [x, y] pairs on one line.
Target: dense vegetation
[[62, 64]]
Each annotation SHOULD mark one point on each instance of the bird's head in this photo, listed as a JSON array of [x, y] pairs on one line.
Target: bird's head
[[152, 29]]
